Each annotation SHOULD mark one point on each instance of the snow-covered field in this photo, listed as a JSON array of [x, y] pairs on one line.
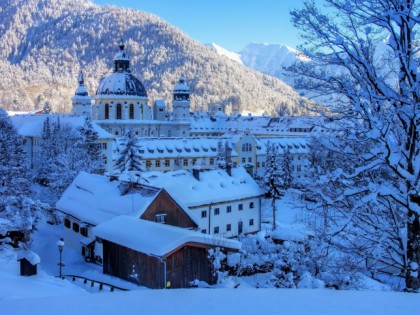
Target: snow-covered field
[[45, 294]]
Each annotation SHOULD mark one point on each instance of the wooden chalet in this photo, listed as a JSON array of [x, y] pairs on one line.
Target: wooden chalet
[[157, 255]]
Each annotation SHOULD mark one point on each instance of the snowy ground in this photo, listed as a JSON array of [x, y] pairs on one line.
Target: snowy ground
[[45, 294]]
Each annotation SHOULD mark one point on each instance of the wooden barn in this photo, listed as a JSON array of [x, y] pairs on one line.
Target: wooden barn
[[157, 255]]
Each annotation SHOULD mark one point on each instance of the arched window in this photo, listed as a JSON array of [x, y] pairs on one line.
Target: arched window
[[131, 111], [106, 111], [119, 114], [247, 147]]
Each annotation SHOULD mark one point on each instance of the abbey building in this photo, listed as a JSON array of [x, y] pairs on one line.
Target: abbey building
[[121, 102]]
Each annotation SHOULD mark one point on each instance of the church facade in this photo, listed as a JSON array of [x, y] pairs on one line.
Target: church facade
[[121, 103]]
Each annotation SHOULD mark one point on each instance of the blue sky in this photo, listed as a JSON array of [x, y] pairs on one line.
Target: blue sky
[[229, 23]]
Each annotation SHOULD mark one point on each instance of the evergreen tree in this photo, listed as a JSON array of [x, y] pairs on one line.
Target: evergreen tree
[[89, 142], [285, 170], [17, 211], [129, 158], [14, 168], [221, 155], [47, 108], [272, 177]]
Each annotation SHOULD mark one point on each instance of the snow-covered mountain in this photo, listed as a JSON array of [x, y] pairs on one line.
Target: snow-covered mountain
[[269, 59], [45, 43]]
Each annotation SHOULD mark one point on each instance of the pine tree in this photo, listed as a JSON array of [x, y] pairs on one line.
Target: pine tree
[[17, 211], [221, 155], [14, 168], [47, 108], [272, 177], [285, 179], [129, 158], [89, 142]]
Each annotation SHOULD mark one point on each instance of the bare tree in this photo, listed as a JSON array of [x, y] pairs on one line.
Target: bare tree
[[364, 56]]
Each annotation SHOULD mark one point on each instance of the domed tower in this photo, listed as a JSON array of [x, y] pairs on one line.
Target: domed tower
[[181, 101], [82, 102], [120, 95]]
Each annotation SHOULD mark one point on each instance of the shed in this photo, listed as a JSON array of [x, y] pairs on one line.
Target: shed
[[28, 263], [157, 255]]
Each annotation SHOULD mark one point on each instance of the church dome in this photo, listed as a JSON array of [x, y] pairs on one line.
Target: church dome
[[121, 81]]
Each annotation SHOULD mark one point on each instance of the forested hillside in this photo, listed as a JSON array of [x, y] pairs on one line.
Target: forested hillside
[[45, 43]]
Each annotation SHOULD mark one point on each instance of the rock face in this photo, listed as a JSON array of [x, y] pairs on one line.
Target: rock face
[[45, 43]]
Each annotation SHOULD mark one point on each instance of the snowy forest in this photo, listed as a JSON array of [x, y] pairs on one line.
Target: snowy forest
[[44, 44], [361, 195]]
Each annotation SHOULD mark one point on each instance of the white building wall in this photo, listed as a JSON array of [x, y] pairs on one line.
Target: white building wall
[[208, 224]]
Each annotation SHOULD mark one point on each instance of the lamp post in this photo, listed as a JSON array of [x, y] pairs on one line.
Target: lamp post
[[60, 245]]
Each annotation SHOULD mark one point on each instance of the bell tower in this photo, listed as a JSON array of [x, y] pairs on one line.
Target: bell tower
[[181, 101], [82, 102]]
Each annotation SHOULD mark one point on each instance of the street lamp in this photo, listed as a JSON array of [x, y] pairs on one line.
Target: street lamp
[[60, 245]]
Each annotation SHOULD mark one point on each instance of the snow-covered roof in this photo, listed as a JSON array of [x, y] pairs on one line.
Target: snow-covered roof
[[181, 86], [31, 125], [214, 186], [30, 256], [121, 83], [295, 145], [155, 238], [258, 125], [158, 148], [95, 199], [160, 103]]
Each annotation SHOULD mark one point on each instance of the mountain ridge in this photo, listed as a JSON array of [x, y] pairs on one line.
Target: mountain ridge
[[44, 44]]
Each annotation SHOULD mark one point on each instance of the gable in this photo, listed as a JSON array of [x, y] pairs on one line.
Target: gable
[[166, 205]]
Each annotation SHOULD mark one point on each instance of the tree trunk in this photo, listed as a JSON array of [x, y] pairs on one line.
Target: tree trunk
[[413, 252], [273, 205]]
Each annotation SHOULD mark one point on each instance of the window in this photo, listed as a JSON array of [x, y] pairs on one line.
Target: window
[[194, 161], [211, 161], [251, 222], [250, 159], [157, 163], [240, 206], [258, 164], [204, 214], [243, 160], [228, 227], [76, 227], [106, 111], [119, 111], [67, 223], [167, 163], [161, 218], [131, 111], [84, 231], [263, 164], [216, 211], [229, 209], [251, 205], [185, 162], [299, 168], [204, 231], [247, 147], [216, 230], [148, 164]]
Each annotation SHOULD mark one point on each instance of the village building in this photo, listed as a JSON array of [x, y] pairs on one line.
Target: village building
[[158, 255], [30, 126], [224, 202], [92, 199]]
